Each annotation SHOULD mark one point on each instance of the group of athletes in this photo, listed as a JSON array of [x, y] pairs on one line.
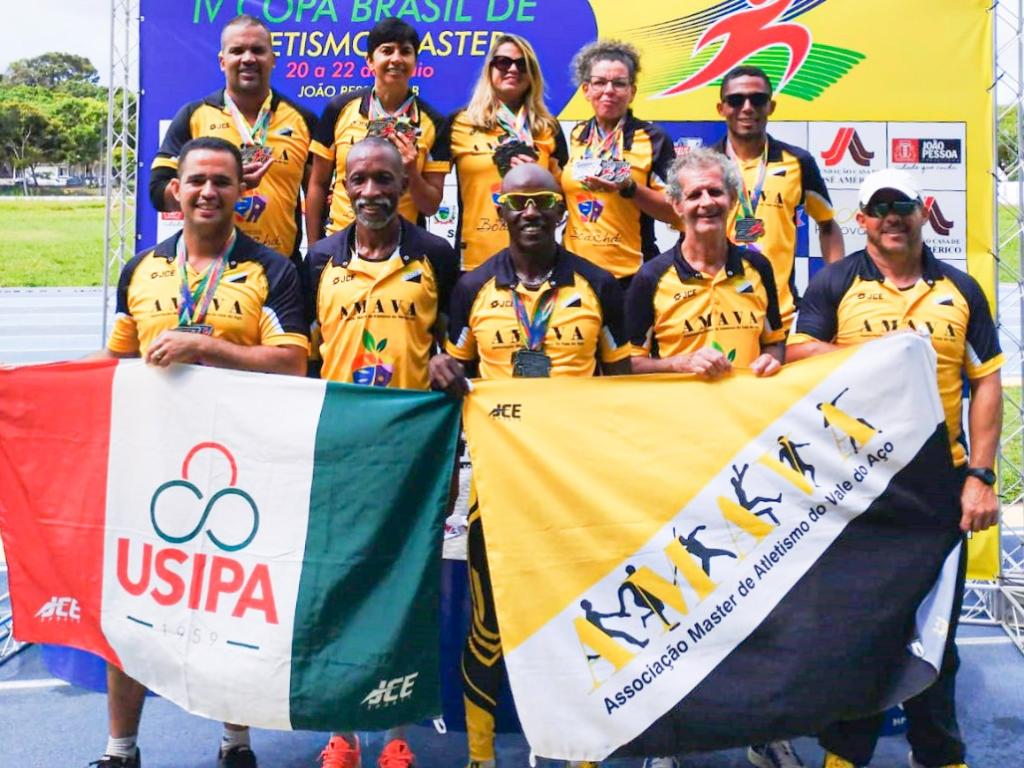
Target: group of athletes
[[388, 304]]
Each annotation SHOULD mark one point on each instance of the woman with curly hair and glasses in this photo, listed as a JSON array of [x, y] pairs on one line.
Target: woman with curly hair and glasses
[[614, 182], [505, 123]]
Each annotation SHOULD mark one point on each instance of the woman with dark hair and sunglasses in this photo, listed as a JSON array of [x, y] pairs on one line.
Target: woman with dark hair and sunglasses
[[614, 182], [505, 123], [533, 310], [389, 109]]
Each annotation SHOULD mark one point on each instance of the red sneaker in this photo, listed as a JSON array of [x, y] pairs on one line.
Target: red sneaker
[[396, 754], [340, 754]]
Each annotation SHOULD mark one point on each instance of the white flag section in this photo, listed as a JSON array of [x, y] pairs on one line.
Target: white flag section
[[196, 540], [610, 663]]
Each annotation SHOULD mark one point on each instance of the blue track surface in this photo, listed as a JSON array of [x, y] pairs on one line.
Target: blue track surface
[[63, 726]]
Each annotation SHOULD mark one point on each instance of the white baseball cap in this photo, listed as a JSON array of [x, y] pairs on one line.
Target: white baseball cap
[[888, 178]]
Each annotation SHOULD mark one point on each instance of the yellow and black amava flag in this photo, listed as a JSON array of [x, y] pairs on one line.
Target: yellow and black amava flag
[[684, 565]]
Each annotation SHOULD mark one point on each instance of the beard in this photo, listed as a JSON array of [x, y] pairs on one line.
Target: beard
[[379, 220]]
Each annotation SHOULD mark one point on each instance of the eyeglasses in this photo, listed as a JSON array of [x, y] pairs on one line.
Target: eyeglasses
[[599, 84], [542, 201], [882, 209], [504, 63], [757, 99]]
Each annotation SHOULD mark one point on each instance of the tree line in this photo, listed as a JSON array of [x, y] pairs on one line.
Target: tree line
[[53, 110]]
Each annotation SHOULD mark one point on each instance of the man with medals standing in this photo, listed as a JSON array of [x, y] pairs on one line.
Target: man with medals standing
[[704, 275], [377, 290], [776, 179], [391, 110], [273, 133], [532, 310], [897, 284], [210, 295], [614, 181], [505, 123]]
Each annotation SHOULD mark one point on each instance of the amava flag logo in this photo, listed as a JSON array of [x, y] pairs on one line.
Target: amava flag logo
[[753, 32], [847, 140], [179, 512]]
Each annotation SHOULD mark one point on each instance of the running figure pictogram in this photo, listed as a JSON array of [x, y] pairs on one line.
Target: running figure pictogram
[[745, 33]]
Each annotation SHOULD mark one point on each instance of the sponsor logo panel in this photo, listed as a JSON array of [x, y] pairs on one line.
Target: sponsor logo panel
[[934, 153], [847, 152]]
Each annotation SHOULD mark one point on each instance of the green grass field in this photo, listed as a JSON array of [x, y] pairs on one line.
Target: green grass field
[[51, 242]]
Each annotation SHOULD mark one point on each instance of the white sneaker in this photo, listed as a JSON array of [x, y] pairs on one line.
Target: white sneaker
[[661, 762], [774, 754]]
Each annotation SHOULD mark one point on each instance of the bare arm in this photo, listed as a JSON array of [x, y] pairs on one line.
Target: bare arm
[[177, 347], [830, 237], [706, 362], [426, 191], [316, 196], [796, 352], [978, 503], [618, 368], [649, 201]]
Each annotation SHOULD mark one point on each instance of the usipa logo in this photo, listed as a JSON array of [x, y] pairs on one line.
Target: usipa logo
[[60, 609]]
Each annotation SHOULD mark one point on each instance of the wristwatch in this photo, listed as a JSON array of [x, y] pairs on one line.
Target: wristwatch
[[629, 190], [985, 474]]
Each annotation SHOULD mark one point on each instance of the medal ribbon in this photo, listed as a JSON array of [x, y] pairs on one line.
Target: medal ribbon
[[515, 124], [604, 146], [257, 134], [188, 311], [407, 110], [535, 329], [749, 202]]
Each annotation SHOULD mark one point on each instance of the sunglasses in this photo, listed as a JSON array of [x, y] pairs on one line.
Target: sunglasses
[[542, 201], [757, 100], [883, 209], [504, 63]]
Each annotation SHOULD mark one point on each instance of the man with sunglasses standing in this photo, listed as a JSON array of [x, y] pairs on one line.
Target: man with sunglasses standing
[[531, 310], [777, 178], [897, 278]]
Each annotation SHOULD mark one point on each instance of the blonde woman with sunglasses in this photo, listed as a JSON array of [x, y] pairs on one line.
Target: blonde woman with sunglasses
[[506, 123]]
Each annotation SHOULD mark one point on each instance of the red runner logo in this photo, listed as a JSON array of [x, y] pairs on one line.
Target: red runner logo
[[744, 33]]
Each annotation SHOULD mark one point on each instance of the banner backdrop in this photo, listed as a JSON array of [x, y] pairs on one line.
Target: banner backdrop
[[240, 564], [660, 592], [861, 85]]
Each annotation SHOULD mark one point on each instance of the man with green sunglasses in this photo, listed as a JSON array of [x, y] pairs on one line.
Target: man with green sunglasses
[[532, 310], [896, 284]]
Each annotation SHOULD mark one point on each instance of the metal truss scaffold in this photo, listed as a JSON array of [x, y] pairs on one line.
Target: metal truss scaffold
[[1002, 602], [122, 143]]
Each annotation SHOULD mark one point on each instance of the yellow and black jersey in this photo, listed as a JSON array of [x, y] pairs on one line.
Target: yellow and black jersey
[[672, 308], [791, 179], [604, 227], [851, 302], [377, 319], [586, 324], [271, 213], [480, 232], [344, 122], [257, 302]]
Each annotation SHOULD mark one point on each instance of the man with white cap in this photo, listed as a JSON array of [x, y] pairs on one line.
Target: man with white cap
[[897, 284]]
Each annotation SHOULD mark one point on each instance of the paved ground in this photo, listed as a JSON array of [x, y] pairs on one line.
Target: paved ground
[[47, 724]]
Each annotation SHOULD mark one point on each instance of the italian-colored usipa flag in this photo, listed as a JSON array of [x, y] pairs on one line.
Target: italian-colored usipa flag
[[258, 549], [682, 565]]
